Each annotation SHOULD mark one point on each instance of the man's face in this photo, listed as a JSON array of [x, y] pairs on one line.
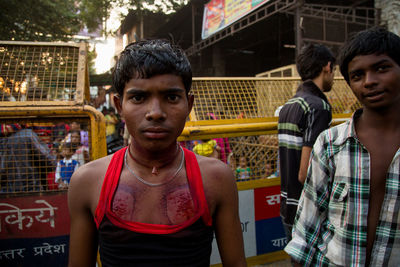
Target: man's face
[[75, 139], [75, 126], [268, 169], [242, 162], [155, 110], [375, 81], [67, 152], [327, 82]]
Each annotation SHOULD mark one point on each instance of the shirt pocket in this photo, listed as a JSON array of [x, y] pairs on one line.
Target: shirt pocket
[[338, 204]]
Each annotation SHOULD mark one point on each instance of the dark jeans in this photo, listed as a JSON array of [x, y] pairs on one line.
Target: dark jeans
[[288, 231]]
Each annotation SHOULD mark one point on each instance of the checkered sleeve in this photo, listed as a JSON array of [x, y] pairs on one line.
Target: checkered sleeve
[[312, 210]]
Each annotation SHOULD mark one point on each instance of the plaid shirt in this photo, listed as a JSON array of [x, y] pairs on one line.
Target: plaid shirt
[[331, 222]]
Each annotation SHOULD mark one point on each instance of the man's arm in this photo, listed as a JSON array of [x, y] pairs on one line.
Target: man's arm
[[83, 235], [318, 120], [305, 159], [228, 229]]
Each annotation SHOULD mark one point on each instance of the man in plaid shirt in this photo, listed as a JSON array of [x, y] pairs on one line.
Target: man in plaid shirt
[[349, 210]]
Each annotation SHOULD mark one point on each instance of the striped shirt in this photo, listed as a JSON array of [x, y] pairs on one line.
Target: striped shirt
[[301, 120], [331, 222]]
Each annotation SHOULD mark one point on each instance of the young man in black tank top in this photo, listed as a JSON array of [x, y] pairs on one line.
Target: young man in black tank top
[[154, 203]]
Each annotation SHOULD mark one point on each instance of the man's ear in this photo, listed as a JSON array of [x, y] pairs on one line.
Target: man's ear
[[118, 104], [328, 67], [190, 102]]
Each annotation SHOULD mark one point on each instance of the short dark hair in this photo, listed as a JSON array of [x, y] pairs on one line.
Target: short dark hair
[[311, 60], [145, 59], [376, 40], [68, 145], [75, 131]]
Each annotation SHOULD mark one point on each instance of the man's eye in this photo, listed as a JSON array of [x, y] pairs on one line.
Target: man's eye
[[382, 68], [137, 98], [355, 76], [173, 98]]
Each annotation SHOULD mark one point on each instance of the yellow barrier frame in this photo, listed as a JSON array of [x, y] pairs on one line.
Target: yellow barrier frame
[[195, 130], [97, 121]]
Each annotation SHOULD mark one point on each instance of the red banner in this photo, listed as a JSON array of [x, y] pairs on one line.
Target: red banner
[[34, 216], [267, 202]]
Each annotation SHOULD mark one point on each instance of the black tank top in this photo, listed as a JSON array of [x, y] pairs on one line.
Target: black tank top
[[124, 243]]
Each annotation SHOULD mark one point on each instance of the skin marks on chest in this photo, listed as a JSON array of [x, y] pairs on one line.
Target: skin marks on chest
[[180, 207], [124, 202], [171, 206]]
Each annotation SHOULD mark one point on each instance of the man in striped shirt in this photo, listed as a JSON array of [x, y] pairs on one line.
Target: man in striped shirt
[[349, 210], [301, 120]]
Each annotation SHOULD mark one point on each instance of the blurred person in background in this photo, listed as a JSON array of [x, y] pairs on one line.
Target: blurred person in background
[[66, 167], [301, 119], [25, 160], [81, 152]]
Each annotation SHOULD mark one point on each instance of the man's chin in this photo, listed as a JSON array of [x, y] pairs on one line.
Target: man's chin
[[327, 89], [158, 146]]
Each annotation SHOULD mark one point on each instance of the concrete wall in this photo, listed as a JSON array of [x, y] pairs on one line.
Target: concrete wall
[[390, 14]]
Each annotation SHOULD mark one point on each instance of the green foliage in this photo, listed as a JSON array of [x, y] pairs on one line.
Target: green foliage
[[59, 20], [38, 20], [170, 6], [94, 12], [165, 6]]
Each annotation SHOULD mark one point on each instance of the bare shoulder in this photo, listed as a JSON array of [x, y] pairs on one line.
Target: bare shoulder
[[92, 172], [86, 182], [218, 180], [214, 170]]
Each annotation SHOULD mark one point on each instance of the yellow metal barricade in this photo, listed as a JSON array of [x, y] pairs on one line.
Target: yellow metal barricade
[[44, 91], [44, 87], [242, 114]]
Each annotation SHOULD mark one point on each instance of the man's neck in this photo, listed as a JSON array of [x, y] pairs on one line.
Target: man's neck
[[318, 81], [154, 158], [383, 119]]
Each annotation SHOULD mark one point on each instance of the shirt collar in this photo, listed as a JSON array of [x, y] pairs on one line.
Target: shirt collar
[[66, 161], [310, 87], [349, 129]]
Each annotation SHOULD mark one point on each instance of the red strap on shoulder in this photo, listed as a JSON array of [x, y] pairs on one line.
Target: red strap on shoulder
[[196, 185], [109, 184]]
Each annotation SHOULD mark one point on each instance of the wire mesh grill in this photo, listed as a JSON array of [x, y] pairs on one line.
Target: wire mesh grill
[[258, 153], [250, 157], [38, 72], [30, 150], [249, 98], [232, 98]]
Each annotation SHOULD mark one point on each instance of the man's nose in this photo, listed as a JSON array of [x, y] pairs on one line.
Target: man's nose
[[155, 110], [370, 79]]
